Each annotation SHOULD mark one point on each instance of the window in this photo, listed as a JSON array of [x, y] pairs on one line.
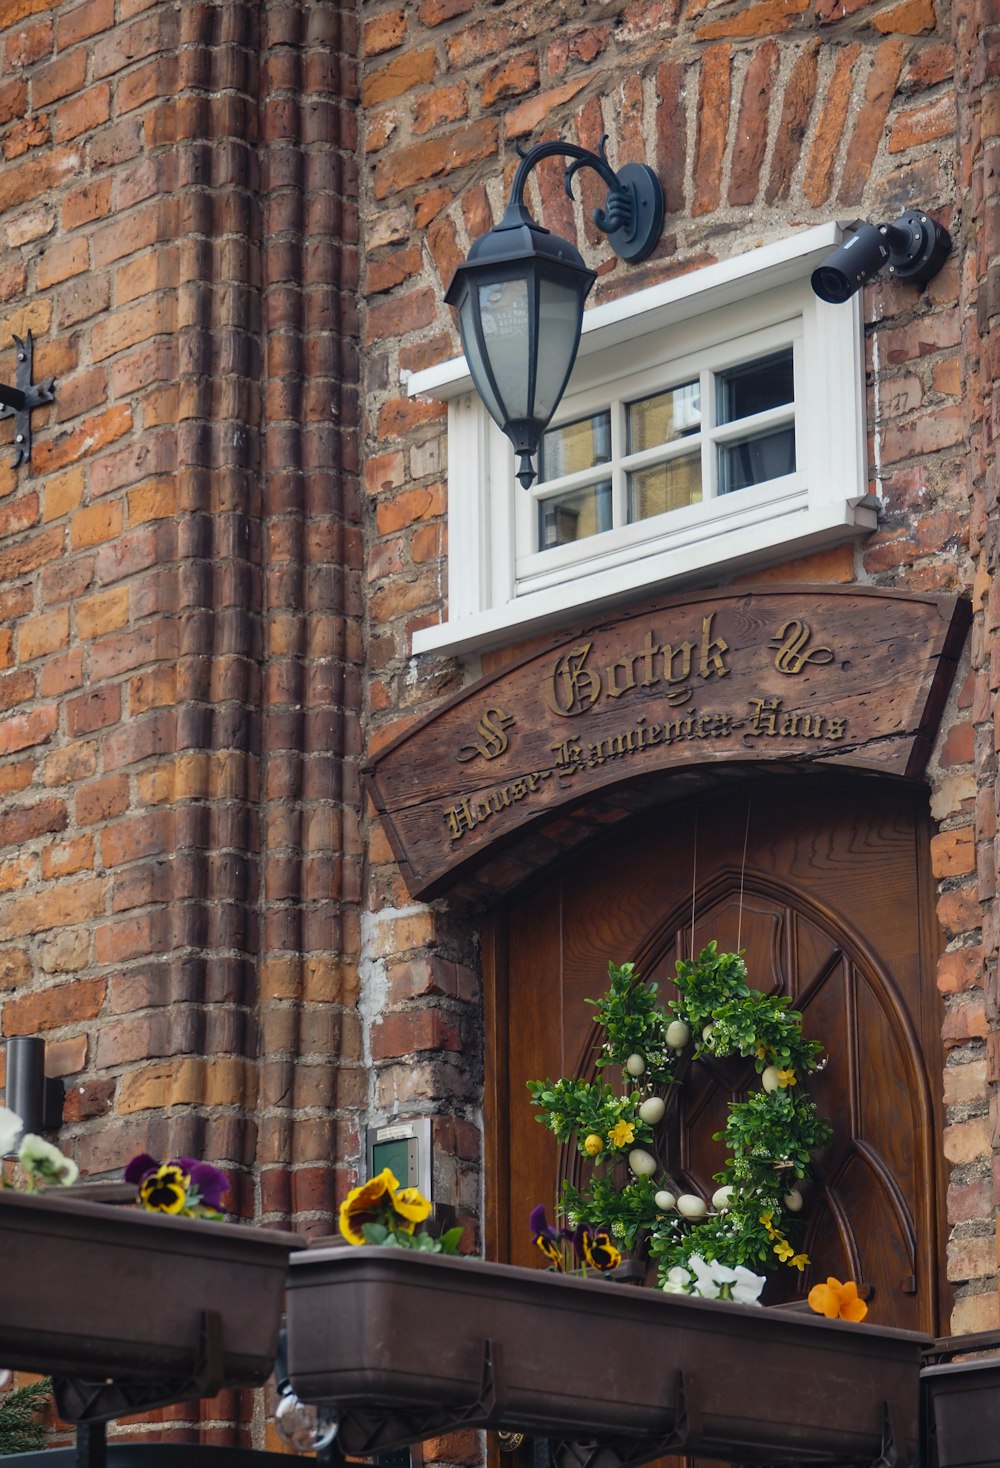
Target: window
[[711, 424]]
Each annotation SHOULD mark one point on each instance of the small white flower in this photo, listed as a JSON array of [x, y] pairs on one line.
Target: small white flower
[[679, 1275], [44, 1163], [670, 1288], [11, 1127]]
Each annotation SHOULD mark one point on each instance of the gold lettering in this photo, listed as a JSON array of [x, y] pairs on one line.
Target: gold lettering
[[492, 739], [763, 718], [614, 686], [713, 650], [460, 819], [792, 656], [835, 728], [573, 688]]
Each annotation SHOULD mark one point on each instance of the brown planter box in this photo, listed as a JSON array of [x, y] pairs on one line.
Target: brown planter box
[[406, 1346], [94, 1291], [963, 1414]]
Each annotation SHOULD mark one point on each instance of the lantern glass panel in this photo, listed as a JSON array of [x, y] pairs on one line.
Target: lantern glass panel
[[504, 313], [560, 317], [478, 366]]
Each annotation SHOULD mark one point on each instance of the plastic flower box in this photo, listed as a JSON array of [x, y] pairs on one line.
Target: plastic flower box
[[962, 1405], [102, 1292], [405, 1346]]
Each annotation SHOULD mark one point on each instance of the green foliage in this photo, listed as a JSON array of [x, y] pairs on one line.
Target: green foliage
[[422, 1242], [633, 1022], [589, 1109], [770, 1136], [626, 1210], [20, 1429]]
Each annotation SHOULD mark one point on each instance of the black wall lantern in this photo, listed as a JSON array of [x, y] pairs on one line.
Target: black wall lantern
[[520, 294], [35, 1097]]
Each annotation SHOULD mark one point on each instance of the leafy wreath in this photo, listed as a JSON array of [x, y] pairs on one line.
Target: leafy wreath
[[769, 1137]]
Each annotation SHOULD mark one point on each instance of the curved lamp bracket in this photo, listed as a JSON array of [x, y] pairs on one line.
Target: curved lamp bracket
[[632, 217]]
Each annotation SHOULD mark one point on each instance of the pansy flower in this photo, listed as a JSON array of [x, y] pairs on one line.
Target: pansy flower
[[183, 1186], [366, 1205], [837, 1301], [594, 1247], [547, 1239]]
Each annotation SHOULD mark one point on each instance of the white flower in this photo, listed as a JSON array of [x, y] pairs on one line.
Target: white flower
[[670, 1288], [747, 1286], [679, 1275], [706, 1285], [44, 1163], [11, 1126]]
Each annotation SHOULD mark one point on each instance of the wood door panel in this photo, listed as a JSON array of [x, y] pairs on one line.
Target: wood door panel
[[825, 887]]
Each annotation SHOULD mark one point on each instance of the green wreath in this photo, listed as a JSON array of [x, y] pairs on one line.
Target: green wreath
[[770, 1137]]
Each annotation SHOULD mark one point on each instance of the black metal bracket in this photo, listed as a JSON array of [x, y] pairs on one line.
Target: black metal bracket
[[681, 1434], [91, 1402], [19, 402], [632, 217], [363, 1432]]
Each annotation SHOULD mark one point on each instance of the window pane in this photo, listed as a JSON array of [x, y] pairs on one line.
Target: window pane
[[664, 487], [662, 419], [766, 383], [755, 460], [575, 446], [563, 518]]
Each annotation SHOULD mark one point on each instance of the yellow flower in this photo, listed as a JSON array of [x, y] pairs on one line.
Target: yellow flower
[[786, 1078], [837, 1301], [412, 1207], [767, 1220], [784, 1250], [799, 1262], [761, 1052], [165, 1190], [364, 1205], [622, 1133], [593, 1144]]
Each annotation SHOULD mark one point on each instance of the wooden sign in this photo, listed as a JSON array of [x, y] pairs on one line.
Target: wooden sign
[[851, 677]]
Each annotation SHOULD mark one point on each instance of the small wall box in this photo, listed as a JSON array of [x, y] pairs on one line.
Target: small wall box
[[405, 1148]]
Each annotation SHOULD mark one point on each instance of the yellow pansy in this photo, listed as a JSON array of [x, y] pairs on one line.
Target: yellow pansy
[[362, 1205], [412, 1207]]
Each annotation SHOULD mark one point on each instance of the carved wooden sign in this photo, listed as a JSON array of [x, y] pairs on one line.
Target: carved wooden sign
[[852, 677]]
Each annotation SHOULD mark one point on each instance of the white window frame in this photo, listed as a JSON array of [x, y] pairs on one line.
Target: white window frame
[[650, 336]]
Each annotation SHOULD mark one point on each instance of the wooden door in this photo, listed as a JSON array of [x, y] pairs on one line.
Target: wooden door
[[831, 902]]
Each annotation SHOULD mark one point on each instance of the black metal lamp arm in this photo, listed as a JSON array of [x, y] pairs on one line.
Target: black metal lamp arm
[[632, 216]]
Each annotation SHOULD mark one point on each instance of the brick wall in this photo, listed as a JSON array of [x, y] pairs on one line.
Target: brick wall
[[181, 589], [760, 118]]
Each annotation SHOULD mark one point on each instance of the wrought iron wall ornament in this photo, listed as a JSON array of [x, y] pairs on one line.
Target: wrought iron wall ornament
[[19, 402]]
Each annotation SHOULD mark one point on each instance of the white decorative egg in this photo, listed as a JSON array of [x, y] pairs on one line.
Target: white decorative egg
[[793, 1200], [664, 1200], [722, 1197], [689, 1205], [678, 1034], [642, 1163], [770, 1079], [652, 1110], [636, 1065]]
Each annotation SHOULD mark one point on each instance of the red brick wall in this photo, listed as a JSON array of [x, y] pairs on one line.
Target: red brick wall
[[181, 592]]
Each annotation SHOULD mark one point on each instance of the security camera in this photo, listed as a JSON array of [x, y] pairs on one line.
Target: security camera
[[913, 248]]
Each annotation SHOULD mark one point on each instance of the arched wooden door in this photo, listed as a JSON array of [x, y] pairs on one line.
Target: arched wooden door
[[832, 903]]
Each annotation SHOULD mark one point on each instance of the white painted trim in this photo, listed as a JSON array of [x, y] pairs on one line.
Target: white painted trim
[[671, 301]]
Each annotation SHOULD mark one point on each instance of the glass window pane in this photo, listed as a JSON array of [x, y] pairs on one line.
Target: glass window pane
[[767, 383], [563, 518], [755, 460], [573, 447], [668, 486], [665, 417]]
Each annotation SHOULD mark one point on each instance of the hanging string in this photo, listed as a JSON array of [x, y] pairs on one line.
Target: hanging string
[[743, 873], [694, 880]]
